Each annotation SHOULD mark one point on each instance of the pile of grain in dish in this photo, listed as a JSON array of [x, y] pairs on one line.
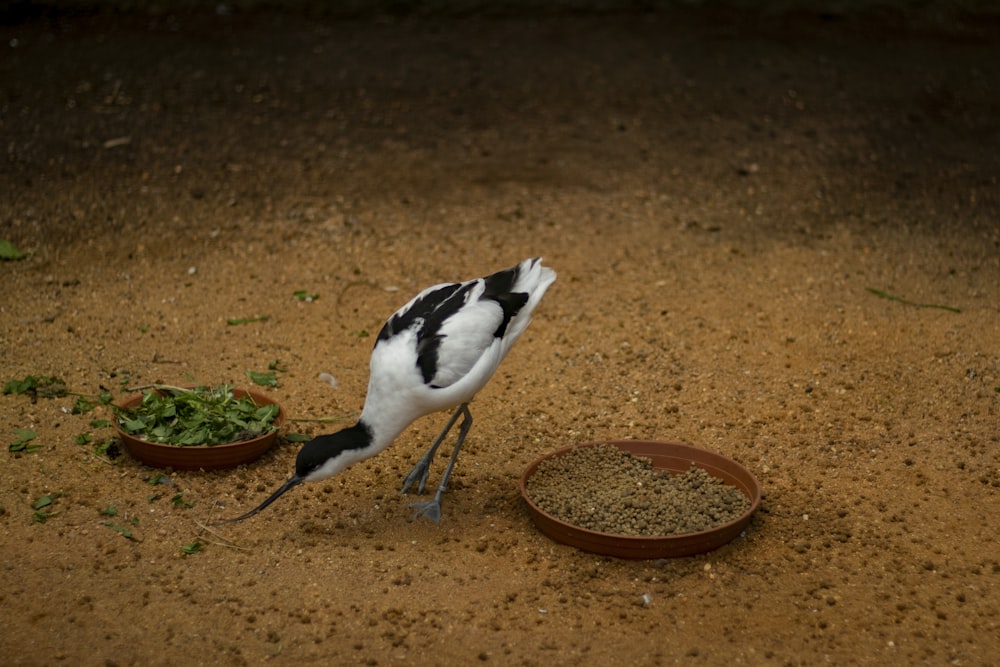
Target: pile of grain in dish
[[608, 490]]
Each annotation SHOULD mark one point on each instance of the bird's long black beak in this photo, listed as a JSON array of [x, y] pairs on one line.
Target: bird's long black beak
[[293, 481]]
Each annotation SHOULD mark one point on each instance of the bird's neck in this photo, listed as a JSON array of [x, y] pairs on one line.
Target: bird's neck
[[383, 426], [390, 406], [330, 453], [382, 434]]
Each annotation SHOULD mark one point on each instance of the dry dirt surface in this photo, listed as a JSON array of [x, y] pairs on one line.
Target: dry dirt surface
[[718, 191]]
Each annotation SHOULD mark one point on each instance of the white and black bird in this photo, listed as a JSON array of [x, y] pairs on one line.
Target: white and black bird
[[434, 353]]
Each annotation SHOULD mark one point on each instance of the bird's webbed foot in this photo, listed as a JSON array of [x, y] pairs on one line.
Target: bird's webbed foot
[[418, 475], [429, 508]]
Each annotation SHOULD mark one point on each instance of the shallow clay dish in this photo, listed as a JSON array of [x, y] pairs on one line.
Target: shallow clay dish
[[671, 456], [202, 457]]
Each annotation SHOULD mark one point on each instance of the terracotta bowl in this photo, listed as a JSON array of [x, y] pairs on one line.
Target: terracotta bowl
[[671, 456], [201, 457]]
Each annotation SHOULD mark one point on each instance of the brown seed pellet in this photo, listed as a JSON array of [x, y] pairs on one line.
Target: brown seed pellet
[[606, 489]]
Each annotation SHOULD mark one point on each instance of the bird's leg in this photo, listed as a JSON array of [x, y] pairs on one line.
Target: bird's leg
[[423, 467], [432, 508]]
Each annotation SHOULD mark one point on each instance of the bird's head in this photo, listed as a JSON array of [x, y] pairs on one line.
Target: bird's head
[[322, 457], [326, 455]]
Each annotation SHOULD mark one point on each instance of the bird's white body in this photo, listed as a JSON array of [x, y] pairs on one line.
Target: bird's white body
[[397, 396], [468, 355], [434, 353]]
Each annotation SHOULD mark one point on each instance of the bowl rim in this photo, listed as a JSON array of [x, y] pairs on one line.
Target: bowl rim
[[749, 486]]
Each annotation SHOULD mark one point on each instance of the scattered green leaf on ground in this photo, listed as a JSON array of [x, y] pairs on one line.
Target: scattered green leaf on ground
[[247, 320], [84, 438], [24, 441], [81, 406], [8, 252], [44, 501], [893, 297], [124, 531], [108, 449], [158, 478], [297, 437], [191, 548], [100, 423], [178, 500], [41, 515], [276, 366], [264, 379], [46, 386], [110, 510], [199, 416], [49, 386], [303, 295]]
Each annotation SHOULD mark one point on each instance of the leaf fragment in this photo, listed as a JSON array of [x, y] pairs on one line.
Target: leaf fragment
[[907, 302], [264, 379], [247, 320], [192, 548], [81, 406], [124, 531], [305, 296], [24, 442], [46, 386], [41, 515], [159, 478], [44, 501], [9, 252]]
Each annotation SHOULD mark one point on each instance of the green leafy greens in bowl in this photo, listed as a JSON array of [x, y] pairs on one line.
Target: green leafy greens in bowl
[[197, 416]]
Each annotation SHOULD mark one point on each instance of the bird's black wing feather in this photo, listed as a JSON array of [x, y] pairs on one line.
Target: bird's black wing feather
[[425, 316], [428, 312], [498, 288]]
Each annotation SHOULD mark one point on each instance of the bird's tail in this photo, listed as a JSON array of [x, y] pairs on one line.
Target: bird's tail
[[532, 279]]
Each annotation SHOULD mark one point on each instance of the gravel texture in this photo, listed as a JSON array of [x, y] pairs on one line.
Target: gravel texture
[[716, 189], [608, 490]]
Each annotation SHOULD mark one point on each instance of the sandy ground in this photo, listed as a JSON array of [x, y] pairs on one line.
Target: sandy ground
[[717, 191]]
